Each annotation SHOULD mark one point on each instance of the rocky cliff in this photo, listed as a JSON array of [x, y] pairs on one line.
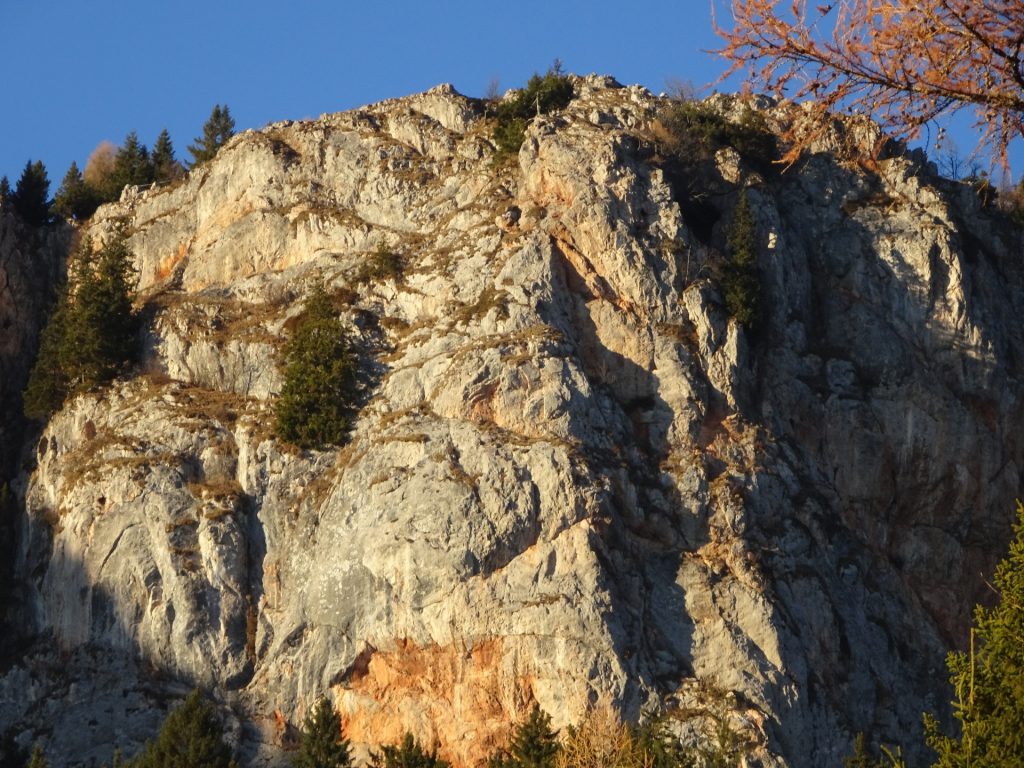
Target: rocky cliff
[[573, 479]]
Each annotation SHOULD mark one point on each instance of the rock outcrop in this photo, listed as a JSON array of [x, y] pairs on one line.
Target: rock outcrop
[[573, 480]]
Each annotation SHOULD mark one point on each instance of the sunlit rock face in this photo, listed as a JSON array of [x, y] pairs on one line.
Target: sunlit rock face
[[573, 479]]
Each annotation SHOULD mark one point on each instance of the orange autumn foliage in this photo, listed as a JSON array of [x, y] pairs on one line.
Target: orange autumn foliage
[[904, 62]]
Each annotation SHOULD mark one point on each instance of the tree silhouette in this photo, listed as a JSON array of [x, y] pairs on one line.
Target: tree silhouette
[[75, 199], [131, 164], [216, 131], [165, 166], [905, 62], [30, 197]]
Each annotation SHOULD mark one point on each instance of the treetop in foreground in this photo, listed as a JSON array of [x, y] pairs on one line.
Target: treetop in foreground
[[904, 62], [988, 680]]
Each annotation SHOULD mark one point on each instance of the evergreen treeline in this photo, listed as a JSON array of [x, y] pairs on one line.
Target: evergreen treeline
[[542, 94], [108, 171]]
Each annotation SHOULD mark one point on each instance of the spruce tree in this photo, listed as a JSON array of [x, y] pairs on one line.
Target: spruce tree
[[320, 742], [534, 744], [101, 337], [319, 378], [191, 736], [165, 166], [75, 199], [988, 680], [409, 754], [741, 284], [216, 131], [47, 385], [131, 165], [5, 193], [91, 335], [30, 197], [658, 746]]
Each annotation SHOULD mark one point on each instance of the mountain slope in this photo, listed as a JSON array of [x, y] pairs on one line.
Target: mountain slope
[[573, 479]]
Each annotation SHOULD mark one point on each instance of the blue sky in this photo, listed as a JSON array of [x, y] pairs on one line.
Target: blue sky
[[78, 73]]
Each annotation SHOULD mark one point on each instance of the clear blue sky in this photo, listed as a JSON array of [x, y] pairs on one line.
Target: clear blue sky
[[76, 73]]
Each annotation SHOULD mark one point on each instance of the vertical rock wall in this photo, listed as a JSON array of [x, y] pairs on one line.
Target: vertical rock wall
[[574, 480]]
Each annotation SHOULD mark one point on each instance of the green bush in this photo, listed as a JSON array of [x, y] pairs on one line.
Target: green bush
[[542, 94], [693, 131], [382, 264], [320, 386]]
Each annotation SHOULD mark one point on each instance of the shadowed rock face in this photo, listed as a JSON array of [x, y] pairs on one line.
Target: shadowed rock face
[[30, 262], [573, 480]]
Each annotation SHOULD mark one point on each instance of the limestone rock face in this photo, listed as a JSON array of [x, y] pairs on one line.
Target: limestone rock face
[[573, 479]]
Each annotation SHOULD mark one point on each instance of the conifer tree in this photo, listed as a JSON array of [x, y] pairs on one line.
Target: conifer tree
[[988, 680], [131, 165], [30, 197], [91, 335], [409, 754], [658, 747], [47, 382], [5, 193], [320, 743], [740, 282], [534, 744], [319, 378], [216, 131], [165, 166], [542, 95], [191, 736], [75, 199]]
